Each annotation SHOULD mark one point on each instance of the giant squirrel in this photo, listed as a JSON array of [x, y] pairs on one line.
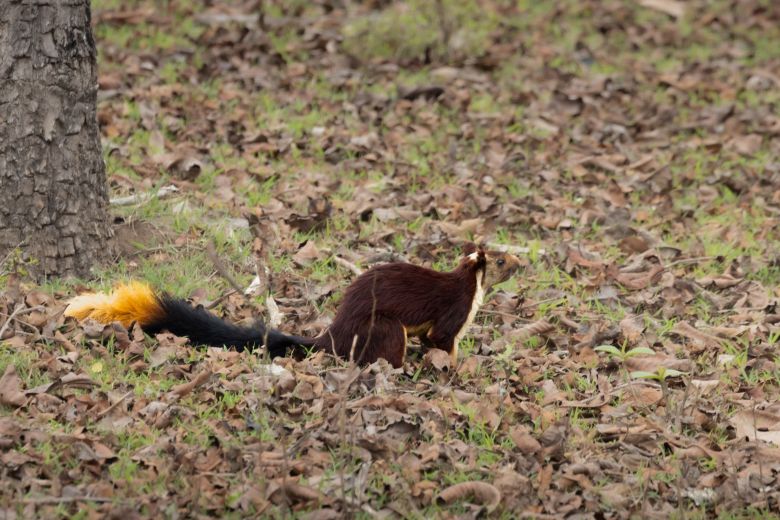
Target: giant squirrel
[[379, 311]]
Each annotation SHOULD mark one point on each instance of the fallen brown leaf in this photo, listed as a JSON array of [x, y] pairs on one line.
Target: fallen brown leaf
[[438, 359], [631, 327], [11, 388], [652, 363], [485, 494], [761, 425], [524, 441], [688, 331], [307, 254]]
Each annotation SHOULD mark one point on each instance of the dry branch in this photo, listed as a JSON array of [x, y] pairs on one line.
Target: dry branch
[[139, 198], [348, 265], [185, 388]]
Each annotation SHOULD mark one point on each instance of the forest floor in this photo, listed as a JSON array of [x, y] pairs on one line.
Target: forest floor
[[632, 149]]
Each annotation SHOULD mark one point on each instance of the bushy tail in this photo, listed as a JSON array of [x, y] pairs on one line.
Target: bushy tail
[[137, 302]]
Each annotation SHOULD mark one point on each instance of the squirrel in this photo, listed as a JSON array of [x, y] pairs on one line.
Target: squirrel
[[379, 311]]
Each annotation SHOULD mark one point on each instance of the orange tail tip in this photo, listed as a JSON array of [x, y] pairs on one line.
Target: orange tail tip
[[128, 302]]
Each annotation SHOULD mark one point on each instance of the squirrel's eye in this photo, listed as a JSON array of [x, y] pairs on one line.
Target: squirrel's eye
[[500, 262]]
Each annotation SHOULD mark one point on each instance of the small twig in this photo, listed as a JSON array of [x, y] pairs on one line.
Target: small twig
[[681, 408], [348, 265], [679, 491], [198, 379], [515, 250], [694, 260], [65, 500], [17, 312], [113, 406], [504, 248], [742, 309], [631, 384], [542, 302], [139, 198], [27, 324], [755, 438], [343, 437], [333, 344], [665, 394], [9, 254], [221, 269], [220, 299], [286, 474], [499, 313], [444, 26], [352, 349]]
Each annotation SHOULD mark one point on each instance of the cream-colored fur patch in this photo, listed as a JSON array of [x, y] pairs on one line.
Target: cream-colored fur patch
[[479, 297]]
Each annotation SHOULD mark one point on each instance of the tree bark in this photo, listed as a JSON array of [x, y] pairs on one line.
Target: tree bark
[[53, 197]]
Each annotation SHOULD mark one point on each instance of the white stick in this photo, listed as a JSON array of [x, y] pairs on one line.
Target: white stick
[[515, 250], [139, 198], [347, 264]]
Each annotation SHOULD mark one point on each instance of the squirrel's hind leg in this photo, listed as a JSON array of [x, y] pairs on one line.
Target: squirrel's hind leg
[[385, 339]]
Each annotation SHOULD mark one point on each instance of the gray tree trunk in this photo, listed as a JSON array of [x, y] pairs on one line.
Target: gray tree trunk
[[53, 199]]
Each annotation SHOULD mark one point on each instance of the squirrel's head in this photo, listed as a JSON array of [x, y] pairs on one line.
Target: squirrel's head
[[499, 266]]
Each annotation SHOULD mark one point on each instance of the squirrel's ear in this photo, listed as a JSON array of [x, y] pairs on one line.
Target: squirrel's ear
[[469, 247]]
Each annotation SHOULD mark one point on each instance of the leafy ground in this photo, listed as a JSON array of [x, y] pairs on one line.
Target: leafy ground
[[631, 147]]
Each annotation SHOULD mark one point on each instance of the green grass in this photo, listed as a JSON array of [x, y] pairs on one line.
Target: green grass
[[406, 31]]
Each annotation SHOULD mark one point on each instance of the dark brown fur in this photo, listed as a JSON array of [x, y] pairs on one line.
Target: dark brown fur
[[389, 302]]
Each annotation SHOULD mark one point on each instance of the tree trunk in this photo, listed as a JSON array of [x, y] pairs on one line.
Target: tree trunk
[[53, 199]]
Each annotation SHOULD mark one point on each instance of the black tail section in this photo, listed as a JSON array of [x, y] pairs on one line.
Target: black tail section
[[279, 343], [205, 328]]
